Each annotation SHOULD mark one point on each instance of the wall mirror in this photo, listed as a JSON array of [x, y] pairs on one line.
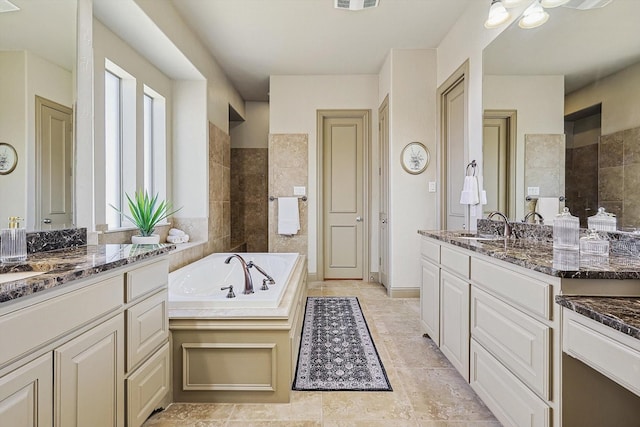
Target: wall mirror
[[567, 94], [37, 65]]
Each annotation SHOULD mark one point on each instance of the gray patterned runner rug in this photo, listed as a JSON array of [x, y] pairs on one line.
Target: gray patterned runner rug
[[336, 350]]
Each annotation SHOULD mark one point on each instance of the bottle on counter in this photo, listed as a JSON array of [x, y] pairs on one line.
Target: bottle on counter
[[602, 221], [594, 244], [13, 242], [566, 231]]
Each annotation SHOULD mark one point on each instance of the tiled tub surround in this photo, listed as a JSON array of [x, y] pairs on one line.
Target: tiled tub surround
[[63, 266]]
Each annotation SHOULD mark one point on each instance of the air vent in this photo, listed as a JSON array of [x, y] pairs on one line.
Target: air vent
[[586, 4], [7, 6], [355, 4]]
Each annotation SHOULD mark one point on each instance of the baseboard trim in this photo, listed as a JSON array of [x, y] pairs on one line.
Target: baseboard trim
[[404, 293], [312, 277]]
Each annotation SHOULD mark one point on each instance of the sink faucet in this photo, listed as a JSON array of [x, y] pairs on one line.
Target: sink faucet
[[248, 283], [533, 214], [507, 226], [264, 273]]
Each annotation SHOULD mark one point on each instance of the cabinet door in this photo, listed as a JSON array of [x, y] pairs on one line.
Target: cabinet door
[[26, 395], [454, 321], [89, 372], [430, 300]]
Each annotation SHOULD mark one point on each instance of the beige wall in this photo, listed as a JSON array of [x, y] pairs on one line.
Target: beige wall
[[254, 131], [539, 103], [219, 235], [544, 164], [620, 98], [288, 167]]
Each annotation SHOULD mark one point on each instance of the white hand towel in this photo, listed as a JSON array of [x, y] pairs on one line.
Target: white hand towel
[[548, 207], [469, 195], [482, 194], [288, 216], [176, 232]]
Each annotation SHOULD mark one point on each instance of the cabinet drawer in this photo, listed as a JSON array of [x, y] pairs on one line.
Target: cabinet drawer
[[608, 351], [430, 250], [147, 328], [455, 261], [532, 295], [145, 279], [521, 343], [41, 323], [147, 387], [506, 396]]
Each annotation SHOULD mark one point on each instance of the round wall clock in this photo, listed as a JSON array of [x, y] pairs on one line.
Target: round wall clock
[[8, 158], [415, 158]]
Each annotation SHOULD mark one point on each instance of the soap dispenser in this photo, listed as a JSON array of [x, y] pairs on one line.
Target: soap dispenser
[[13, 242]]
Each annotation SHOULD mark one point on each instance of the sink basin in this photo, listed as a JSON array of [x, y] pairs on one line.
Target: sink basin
[[478, 237], [19, 275]]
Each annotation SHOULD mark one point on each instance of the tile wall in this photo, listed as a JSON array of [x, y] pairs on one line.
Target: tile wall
[[249, 198], [288, 167], [219, 226]]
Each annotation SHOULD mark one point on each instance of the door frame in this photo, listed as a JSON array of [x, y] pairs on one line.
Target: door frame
[[383, 156], [459, 75], [322, 115], [511, 117]]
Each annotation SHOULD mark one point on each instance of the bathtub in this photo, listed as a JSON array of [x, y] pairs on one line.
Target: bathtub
[[197, 285]]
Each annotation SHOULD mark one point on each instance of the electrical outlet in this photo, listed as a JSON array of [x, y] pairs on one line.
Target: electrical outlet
[[432, 187], [533, 191], [299, 191]]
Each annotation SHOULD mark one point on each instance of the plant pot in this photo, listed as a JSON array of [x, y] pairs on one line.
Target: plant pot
[[154, 239]]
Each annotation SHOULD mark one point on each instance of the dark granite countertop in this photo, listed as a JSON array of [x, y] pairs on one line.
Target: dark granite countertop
[[619, 313], [539, 255], [62, 266]]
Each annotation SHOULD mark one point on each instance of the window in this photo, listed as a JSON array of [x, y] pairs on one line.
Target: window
[[148, 144], [113, 148]]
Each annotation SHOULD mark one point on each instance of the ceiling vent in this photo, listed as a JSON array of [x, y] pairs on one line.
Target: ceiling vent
[[355, 4], [7, 6], [586, 4]]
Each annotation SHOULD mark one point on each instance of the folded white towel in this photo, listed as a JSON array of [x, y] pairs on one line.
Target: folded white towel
[[469, 195], [178, 239], [288, 216], [176, 232], [482, 194]]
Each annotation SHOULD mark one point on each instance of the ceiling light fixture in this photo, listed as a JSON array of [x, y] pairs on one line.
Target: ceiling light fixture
[[533, 16], [511, 3], [497, 15], [553, 3], [355, 4], [7, 6]]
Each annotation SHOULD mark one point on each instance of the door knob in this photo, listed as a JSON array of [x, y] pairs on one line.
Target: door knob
[[384, 221], [358, 219]]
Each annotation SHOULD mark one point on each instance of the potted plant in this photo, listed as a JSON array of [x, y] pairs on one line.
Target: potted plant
[[146, 213]]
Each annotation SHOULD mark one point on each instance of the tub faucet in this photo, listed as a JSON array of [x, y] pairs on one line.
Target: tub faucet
[[533, 214], [248, 283], [264, 273], [507, 226]]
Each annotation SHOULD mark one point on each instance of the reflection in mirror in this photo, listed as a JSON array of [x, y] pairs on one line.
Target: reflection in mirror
[[37, 65], [574, 85]]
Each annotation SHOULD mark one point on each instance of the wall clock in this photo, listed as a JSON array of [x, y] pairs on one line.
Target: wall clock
[[8, 158], [415, 158]]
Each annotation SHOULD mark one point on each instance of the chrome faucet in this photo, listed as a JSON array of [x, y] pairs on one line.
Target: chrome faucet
[[264, 273], [533, 214], [248, 283], [507, 226]]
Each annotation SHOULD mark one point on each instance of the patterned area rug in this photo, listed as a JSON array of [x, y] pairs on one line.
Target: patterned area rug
[[336, 350]]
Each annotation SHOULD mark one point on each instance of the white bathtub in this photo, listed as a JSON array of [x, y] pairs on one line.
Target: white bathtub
[[197, 285]]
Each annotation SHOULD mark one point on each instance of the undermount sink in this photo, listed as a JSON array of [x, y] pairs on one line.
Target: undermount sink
[[19, 275], [478, 237]]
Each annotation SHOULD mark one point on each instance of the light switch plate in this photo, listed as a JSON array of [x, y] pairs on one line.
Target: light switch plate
[[533, 191], [432, 186], [299, 191]]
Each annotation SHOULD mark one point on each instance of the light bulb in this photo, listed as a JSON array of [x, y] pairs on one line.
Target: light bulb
[[553, 3], [511, 3], [497, 15], [533, 17]]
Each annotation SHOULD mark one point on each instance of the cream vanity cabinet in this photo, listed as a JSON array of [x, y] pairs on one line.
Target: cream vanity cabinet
[[444, 300], [68, 363]]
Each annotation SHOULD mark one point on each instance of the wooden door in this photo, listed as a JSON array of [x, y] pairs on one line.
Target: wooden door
[[89, 373], [54, 158], [343, 198], [383, 225], [26, 395]]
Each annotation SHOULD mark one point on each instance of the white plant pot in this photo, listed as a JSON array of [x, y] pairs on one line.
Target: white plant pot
[[154, 239]]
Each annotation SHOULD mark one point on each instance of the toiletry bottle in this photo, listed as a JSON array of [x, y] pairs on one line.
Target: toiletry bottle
[[566, 231], [13, 242]]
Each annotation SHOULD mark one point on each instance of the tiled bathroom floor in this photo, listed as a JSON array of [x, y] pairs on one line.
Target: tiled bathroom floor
[[427, 390]]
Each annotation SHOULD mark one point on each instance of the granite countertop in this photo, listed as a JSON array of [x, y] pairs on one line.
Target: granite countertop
[[62, 266], [619, 313], [539, 255]]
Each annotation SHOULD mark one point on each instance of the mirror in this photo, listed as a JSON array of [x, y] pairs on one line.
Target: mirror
[[37, 65], [573, 89]]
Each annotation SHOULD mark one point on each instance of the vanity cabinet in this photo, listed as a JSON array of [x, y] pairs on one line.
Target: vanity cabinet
[[430, 299], [76, 351]]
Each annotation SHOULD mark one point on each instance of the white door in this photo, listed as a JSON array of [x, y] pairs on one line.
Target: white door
[[454, 122], [54, 157], [343, 198], [494, 159], [383, 226]]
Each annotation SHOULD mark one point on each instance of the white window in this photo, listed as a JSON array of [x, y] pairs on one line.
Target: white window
[[155, 143], [113, 148], [148, 144]]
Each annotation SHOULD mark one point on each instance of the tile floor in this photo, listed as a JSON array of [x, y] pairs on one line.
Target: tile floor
[[427, 390]]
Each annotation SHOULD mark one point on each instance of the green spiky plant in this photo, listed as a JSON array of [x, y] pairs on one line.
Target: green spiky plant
[[146, 211]]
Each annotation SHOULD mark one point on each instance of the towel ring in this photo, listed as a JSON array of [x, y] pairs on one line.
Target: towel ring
[[473, 165]]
